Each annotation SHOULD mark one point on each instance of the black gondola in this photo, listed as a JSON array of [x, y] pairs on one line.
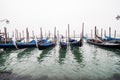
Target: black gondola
[[77, 43], [45, 43], [63, 42], [74, 42]]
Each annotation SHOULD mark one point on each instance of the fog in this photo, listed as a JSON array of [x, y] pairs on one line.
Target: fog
[[59, 13]]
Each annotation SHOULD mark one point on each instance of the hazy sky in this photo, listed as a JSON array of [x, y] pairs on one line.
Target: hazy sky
[[50, 13]]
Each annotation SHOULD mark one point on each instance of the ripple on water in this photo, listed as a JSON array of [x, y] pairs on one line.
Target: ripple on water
[[85, 63]]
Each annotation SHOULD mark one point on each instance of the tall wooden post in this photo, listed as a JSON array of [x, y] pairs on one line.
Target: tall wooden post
[[8, 35], [68, 31], [55, 35], [109, 31], [74, 33], [55, 32], [82, 30], [95, 34], [58, 34], [91, 33], [16, 34], [27, 35], [115, 34], [5, 31], [41, 35], [104, 32], [20, 35]]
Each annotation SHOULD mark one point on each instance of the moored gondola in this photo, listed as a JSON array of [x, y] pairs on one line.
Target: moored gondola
[[30, 44], [18, 45], [104, 44], [100, 42], [45, 43], [77, 43], [63, 41], [63, 44], [74, 42], [7, 45]]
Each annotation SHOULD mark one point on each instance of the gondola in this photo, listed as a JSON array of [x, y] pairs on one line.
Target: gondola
[[77, 43], [103, 44], [30, 44], [63, 42], [45, 43], [18, 45], [74, 42], [7, 45]]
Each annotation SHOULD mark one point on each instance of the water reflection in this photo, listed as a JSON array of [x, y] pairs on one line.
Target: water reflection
[[44, 54], [62, 55], [85, 63], [116, 51], [76, 53], [3, 57], [26, 52]]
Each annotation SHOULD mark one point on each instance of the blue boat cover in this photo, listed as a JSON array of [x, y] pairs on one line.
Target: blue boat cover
[[45, 42], [111, 38]]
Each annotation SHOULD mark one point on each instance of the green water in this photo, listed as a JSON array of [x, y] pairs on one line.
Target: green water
[[74, 63]]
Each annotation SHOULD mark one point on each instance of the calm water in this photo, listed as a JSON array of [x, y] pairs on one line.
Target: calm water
[[74, 63]]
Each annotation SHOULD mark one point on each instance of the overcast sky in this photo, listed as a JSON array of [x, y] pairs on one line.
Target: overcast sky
[[50, 13]]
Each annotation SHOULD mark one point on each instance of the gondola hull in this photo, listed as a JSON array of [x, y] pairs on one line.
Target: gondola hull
[[104, 44], [45, 43], [77, 43], [18, 45], [7, 46], [42, 47], [63, 44]]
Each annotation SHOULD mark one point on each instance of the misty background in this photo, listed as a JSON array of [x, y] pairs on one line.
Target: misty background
[[59, 13]]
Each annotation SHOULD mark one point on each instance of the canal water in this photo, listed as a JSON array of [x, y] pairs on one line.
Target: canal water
[[74, 63]]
